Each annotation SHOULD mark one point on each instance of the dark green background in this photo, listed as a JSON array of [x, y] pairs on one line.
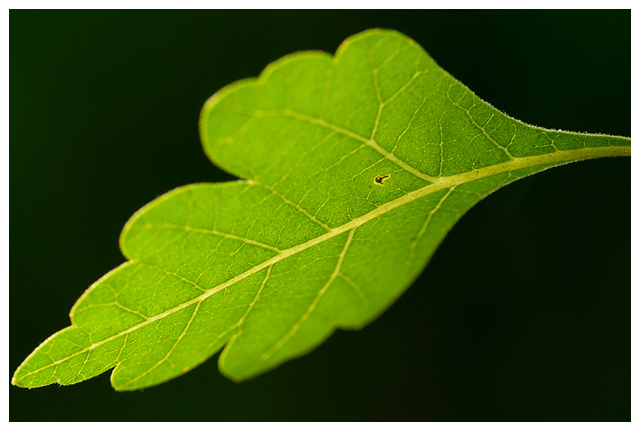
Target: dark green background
[[522, 314]]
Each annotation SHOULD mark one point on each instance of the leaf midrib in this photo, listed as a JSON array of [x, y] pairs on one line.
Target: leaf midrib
[[440, 184]]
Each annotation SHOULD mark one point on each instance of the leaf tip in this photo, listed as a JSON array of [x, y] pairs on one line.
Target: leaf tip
[[19, 382], [15, 379]]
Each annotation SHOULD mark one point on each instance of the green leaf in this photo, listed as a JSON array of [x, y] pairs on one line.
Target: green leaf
[[353, 167]]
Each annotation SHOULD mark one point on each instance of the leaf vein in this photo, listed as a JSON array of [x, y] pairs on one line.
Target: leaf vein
[[212, 232], [296, 327]]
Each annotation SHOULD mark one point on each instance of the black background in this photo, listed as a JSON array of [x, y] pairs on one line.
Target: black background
[[522, 314]]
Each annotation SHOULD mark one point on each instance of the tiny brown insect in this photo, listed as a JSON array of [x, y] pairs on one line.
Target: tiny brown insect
[[380, 179]]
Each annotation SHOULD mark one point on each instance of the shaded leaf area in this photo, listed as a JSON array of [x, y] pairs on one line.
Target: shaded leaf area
[[353, 167]]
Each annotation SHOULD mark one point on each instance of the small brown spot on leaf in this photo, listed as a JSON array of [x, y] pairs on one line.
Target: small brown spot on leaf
[[380, 179]]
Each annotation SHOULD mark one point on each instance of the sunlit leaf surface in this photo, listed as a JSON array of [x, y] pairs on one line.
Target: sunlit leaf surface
[[352, 170]]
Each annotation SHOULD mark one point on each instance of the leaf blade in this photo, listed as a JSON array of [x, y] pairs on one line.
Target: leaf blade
[[310, 209]]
